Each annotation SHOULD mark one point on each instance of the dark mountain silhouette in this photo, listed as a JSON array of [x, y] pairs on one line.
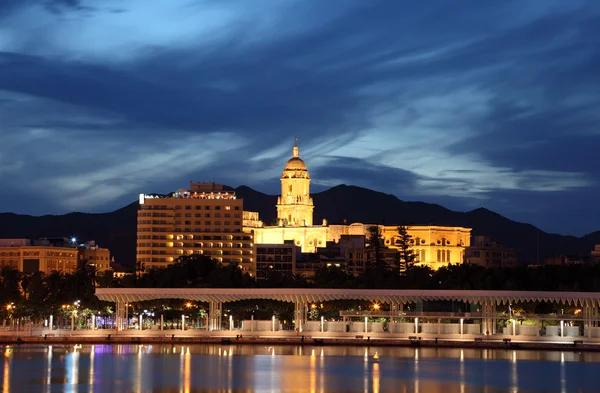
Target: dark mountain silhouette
[[117, 230], [356, 204]]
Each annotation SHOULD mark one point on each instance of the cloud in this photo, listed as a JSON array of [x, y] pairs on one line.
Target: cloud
[[477, 103]]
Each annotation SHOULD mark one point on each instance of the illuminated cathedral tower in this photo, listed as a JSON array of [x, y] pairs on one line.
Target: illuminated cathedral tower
[[295, 206]]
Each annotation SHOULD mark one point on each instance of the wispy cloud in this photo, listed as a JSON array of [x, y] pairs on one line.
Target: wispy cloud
[[466, 104]]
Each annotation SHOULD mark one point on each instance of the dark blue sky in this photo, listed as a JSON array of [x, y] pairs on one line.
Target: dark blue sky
[[467, 104]]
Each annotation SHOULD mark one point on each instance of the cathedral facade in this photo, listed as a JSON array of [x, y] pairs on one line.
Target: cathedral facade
[[434, 246]]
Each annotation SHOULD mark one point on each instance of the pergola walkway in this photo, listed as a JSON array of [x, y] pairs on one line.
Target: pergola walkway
[[302, 297]]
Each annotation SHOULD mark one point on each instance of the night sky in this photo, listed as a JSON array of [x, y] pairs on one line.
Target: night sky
[[464, 103]]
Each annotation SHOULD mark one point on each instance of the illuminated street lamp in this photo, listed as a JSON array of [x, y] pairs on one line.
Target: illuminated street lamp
[[376, 307]]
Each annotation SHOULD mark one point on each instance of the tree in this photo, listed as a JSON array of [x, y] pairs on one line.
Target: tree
[[375, 246], [10, 280], [407, 256], [140, 268]]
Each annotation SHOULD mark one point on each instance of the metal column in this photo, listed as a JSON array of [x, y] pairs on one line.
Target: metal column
[[215, 310], [298, 316], [120, 315]]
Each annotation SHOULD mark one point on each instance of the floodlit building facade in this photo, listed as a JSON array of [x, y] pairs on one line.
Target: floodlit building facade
[[206, 219], [435, 246], [21, 255], [95, 256]]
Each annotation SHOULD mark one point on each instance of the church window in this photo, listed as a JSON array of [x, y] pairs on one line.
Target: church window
[[448, 255], [443, 256], [439, 256]]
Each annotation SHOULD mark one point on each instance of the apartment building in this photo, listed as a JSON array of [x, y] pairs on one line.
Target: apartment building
[[487, 252], [275, 258], [20, 254], [206, 220], [95, 255]]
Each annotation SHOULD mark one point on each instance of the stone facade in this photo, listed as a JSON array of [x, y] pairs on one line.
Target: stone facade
[[435, 246]]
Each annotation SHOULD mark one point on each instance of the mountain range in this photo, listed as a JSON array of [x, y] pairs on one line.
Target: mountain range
[[340, 204]]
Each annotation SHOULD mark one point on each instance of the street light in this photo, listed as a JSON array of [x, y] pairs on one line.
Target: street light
[[376, 307]]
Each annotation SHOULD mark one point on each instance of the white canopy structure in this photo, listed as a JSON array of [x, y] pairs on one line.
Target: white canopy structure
[[311, 295]]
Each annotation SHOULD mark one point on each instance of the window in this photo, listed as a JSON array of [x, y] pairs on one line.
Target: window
[[439, 256], [227, 207]]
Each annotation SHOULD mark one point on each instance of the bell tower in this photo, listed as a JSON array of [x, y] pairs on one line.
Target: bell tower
[[295, 206]]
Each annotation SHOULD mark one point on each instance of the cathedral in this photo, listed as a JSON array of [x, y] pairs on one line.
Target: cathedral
[[434, 246]]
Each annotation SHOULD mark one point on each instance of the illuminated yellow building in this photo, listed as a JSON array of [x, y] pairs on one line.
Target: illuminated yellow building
[[204, 220], [95, 256], [435, 246], [32, 259], [295, 206]]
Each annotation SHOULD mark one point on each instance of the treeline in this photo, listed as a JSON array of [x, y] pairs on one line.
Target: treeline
[[37, 295]]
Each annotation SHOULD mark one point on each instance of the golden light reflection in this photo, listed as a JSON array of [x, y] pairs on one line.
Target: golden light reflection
[[187, 371], [376, 377], [514, 375], [6, 377], [312, 375]]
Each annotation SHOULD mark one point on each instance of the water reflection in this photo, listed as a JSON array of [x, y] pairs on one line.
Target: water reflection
[[215, 368]]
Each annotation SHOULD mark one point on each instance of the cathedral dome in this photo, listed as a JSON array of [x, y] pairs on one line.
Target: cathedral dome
[[295, 167], [295, 164]]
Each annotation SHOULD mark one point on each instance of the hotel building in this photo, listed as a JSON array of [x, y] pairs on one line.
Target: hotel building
[[205, 220]]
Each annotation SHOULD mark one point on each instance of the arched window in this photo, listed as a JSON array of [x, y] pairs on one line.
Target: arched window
[[439, 255], [443, 256], [448, 256]]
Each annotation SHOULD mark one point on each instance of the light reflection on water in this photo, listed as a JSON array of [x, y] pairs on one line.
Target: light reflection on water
[[215, 368]]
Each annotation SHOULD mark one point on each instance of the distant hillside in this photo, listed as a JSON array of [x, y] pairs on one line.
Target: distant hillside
[[355, 204], [117, 230]]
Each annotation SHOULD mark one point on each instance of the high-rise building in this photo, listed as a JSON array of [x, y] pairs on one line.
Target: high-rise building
[[206, 219]]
